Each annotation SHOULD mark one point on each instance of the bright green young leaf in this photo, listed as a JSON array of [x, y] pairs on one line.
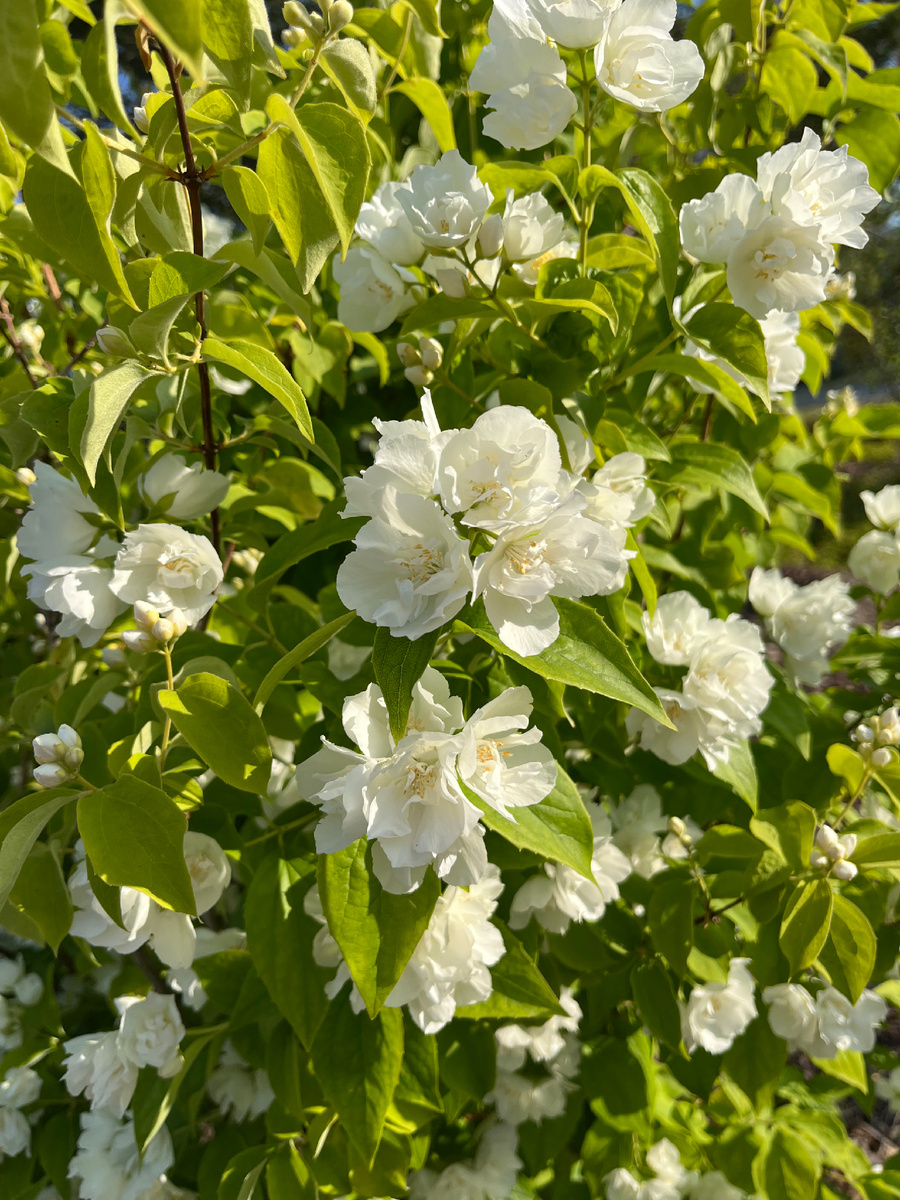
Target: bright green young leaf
[[376, 930], [249, 199], [217, 722], [100, 67], [134, 836], [520, 991], [108, 402], [179, 25], [228, 43], [181, 273], [849, 954], [739, 772], [302, 651], [347, 62], [432, 104], [846, 763], [242, 1175], [806, 922], [713, 465], [789, 829], [398, 663], [26, 103], [429, 13], [266, 369], [881, 851], [149, 333], [40, 893], [20, 827]]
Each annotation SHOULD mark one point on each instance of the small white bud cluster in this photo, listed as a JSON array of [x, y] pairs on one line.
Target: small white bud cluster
[[421, 362], [153, 630], [58, 755], [875, 738], [25, 476], [833, 852], [678, 829], [335, 16]]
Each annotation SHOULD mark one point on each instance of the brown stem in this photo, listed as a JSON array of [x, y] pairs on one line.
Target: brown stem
[[8, 329], [52, 286], [192, 180], [76, 358], [708, 419]]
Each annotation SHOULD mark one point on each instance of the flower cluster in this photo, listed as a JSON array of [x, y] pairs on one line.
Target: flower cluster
[[548, 531], [824, 1025], [90, 580], [723, 693], [109, 1166], [19, 1088], [776, 233], [875, 559], [639, 822], [449, 967], [523, 1095], [716, 1013], [58, 755], [671, 1180], [408, 798], [805, 622], [878, 736], [525, 79]]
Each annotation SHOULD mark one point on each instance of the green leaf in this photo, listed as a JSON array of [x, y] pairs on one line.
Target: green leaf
[[64, 219], [302, 651], [40, 892], [21, 824], [881, 851], [789, 829], [26, 102], [713, 465], [100, 67], [734, 336], [179, 25], [587, 654], [805, 924], [151, 1106], [847, 1065], [357, 1062], [347, 62], [134, 836], [790, 1171], [437, 309], [295, 205], [874, 138], [620, 430], [149, 333], [243, 1173], [329, 529], [670, 916], [431, 102], [849, 954], [183, 274], [557, 828], [250, 200], [217, 721], [288, 1177], [286, 1067], [398, 663], [429, 13], [846, 763], [520, 992], [280, 937], [108, 401], [739, 772], [709, 374], [376, 931], [334, 143], [266, 369], [655, 999], [228, 41], [755, 1061]]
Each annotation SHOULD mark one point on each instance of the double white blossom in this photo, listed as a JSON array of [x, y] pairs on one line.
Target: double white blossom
[[519, 1096], [168, 568], [875, 559], [25, 988], [639, 824], [806, 622], [445, 204], [717, 1013], [823, 1026], [638, 62], [373, 292], [183, 492], [490, 1175], [20, 1087], [671, 1180], [107, 1164], [241, 1092]]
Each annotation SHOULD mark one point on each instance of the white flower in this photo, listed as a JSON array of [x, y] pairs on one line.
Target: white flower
[[576, 24], [373, 293], [531, 227], [846, 1026], [449, 967], [209, 869], [185, 980], [804, 621], [193, 490], [875, 561], [79, 591], [141, 120], [54, 528], [520, 1097], [108, 1164], [713, 1186], [241, 1092], [714, 225], [793, 1016], [445, 204], [383, 223], [173, 938], [529, 114], [717, 1013], [638, 822], [20, 1086], [694, 730], [410, 571], [541, 1043], [678, 628], [150, 1031], [503, 766], [827, 187], [559, 894], [504, 470], [95, 1066], [889, 1089], [29, 990], [779, 264], [728, 677], [516, 50], [565, 555], [11, 971], [529, 272], [882, 507], [92, 923], [638, 62], [168, 568], [625, 476], [671, 1181], [15, 1132], [830, 848], [769, 590], [491, 1175], [578, 444]]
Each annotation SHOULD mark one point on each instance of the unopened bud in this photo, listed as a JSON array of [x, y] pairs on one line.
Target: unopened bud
[[418, 376], [46, 748], [145, 615], [170, 1069], [113, 656], [408, 354], [50, 775], [339, 16], [863, 733], [432, 353], [881, 757], [178, 621], [845, 871], [301, 18], [163, 630], [139, 640], [490, 236], [836, 851], [73, 758], [114, 342], [817, 859], [26, 476], [677, 826]]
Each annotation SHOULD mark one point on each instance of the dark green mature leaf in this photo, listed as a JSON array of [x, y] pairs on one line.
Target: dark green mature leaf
[[655, 999], [280, 937], [713, 465], [398, 663], [286, 1067], [152, 1105], [376, 931], [40, 892], [587, 654], [243, 1173], [249, 199], [299, 654], [329, 529], [756, 1060], [20, 827], [849, 954], [26, 102], [134, 836], [806, 922], [734, 336], [266, 369], [670, 915], [179, 25], [217, 721], [357, 1062], [656, 219], [520, 992], [557, 828], [108, 402], [709, 374]]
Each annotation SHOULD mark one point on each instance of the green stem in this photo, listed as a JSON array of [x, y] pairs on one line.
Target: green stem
[[386, 86], [167, 728], [587, 211]]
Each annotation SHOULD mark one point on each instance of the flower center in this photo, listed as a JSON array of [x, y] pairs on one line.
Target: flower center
[[525, 557], [419, 779], [422, 562]]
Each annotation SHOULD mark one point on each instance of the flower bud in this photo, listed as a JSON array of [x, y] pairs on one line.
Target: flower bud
[[881, 757], [170, 1069], [836, 851], [144, 615], [114, 342], [300, 17], [68, 736], [863, 733], [25, 476], [178, 621], [51, 775], [676, 826], [46, 747], [163, 631], [845, 871], [340, 15], [113, 656], [826, 838], [73, 758], [293, 37], [418, 376], [817, 859], [408, 355], [432, 353], [139, 640], [490, 236]]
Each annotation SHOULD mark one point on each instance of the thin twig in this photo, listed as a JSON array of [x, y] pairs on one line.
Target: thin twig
[[76, 358], [386, 87], [8, 329], [52, 286]]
